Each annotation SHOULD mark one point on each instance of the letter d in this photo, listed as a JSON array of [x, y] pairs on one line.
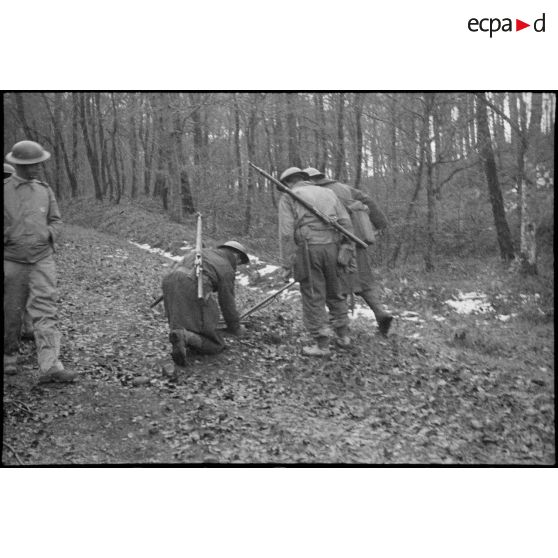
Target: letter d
[[535, 27]]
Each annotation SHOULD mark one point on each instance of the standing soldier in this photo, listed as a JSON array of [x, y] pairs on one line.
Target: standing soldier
[[8, 171], [309, 249], [27, 323], [365, 282], [193, 322], [31, 225]]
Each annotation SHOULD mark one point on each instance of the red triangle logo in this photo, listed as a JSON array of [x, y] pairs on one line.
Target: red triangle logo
[[519, 25]]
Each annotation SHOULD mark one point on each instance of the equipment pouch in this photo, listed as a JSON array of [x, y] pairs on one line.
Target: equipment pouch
[[363, 227], [300, 268]]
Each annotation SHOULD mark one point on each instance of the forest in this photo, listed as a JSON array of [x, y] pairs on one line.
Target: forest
[[466, 266], [455, 173]]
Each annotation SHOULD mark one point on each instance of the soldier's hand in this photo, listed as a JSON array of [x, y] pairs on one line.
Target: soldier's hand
[[286, 274], [345, 255], [238, 331]]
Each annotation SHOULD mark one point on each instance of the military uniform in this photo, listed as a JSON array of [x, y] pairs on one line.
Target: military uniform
[[32, 224], [189, 315], [364, 281], [310, 247]]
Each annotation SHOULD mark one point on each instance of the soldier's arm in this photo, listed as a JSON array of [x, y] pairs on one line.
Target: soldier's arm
[[225, 294], [287, 247], [54, 219]]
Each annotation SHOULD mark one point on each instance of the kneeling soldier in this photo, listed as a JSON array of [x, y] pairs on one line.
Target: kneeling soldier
[[193, 322]]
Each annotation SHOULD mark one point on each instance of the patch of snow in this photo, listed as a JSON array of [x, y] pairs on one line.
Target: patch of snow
[[410, 316], [439, 318], [470, 303], [268, 269], [243, 280], [361, 311], [156, 251], [529, 297], [506, 317]]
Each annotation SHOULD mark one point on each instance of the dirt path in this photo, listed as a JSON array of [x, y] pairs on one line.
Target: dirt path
[[443, 388]]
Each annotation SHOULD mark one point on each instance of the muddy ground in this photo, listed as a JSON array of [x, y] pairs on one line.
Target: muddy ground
[[444, 387]]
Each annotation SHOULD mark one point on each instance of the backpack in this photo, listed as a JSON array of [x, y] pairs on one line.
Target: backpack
[[360, 218]]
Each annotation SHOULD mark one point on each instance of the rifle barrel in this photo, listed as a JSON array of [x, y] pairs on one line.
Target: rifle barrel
[[199, 258], [266, 301]]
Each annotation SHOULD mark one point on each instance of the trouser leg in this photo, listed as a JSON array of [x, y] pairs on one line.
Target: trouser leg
[[313, 291], [16, 289], [43, 312], [336, 300], [371, 296], [27, 325]]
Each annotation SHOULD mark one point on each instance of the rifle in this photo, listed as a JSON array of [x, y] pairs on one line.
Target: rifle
[[325, 218], [264, 302], [198, 261]]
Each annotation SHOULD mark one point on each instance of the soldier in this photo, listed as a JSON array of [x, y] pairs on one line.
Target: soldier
[[365, 281], [309, 249], [32, 224], [27, 323], [8, 171], [193, 322]]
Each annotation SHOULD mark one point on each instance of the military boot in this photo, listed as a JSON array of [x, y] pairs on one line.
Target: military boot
[[177, 338], [384, 323], [10, 364], [342, 338], [192, 339], [57, 374], [319, 349]]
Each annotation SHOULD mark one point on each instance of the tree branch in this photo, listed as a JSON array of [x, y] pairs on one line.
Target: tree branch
[[14, 452]]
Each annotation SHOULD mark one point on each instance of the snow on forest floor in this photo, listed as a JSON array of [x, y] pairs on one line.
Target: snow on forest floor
[[444, 387]]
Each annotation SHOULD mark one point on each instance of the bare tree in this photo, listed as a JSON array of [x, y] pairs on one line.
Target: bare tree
[[495, 192]]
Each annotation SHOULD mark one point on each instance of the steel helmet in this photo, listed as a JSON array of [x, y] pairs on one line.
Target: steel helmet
[[8, 170], [292, 171], [27, 153], [237, 247], [314, 173]]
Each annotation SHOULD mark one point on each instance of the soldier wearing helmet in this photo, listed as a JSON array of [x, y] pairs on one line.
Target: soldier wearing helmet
[[32, 224], [8, 171], [363, 280], [309, 250], [193, 322]]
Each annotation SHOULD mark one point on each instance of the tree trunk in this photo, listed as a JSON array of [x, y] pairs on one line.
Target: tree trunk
[[75, 160], [323, 152], [58, 186], [340, 171], [148, 145], [430, 201], [528, 226], [90, 147], [359, 100], [294, 151], [196, 100], [20, 107], [134, 146], [494, 190], [423, 138], [251, 148], [115, 159], [237, 150]]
